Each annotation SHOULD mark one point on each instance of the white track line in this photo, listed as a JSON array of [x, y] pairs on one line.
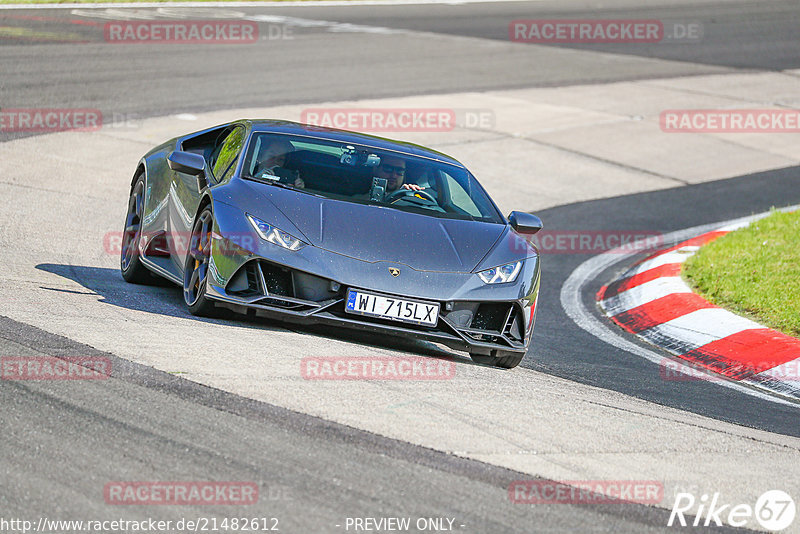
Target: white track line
[[310, 3], [573, 305], [332, 26]]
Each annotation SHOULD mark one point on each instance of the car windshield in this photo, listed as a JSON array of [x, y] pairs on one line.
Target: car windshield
[[360, 174]]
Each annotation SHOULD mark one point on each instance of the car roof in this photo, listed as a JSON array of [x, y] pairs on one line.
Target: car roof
[[372, 141]]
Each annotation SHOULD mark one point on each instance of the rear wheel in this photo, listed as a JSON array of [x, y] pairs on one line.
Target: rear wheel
[[195, 273], [129, 263], [499, 358]]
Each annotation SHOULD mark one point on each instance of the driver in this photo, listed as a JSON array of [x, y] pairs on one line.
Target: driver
[[271, 156], [393, 170]]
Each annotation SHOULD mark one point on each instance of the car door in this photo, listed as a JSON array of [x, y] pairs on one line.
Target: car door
[[185, 196]]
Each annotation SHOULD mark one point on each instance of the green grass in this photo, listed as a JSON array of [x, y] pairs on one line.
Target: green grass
[[117, 1], [754, 271]]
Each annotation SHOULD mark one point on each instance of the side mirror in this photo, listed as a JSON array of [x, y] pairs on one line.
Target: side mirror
[[186, 162], [191, 164], [524, 223]]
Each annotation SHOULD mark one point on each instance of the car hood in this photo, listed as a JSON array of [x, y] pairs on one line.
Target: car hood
[[375, 233]]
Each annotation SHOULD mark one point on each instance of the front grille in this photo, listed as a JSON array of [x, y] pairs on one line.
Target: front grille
[[262, 278], [267, 284]]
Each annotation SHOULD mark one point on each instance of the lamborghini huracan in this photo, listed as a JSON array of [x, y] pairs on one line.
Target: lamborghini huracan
[[312, 225]]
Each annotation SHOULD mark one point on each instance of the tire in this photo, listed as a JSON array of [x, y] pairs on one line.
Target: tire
[[499, 358], [195, 272], [131, 267]]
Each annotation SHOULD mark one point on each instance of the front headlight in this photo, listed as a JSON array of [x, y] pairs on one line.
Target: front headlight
[[274, 235], [502, 274]]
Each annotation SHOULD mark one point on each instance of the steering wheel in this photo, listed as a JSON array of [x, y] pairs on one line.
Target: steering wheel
[[394, 196]]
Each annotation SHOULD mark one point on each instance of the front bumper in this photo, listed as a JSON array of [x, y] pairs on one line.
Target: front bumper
[[254, 277]]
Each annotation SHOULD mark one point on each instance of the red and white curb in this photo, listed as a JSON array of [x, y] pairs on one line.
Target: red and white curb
[[652, 301]]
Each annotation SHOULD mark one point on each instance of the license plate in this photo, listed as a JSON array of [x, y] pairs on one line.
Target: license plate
[[396, 309]]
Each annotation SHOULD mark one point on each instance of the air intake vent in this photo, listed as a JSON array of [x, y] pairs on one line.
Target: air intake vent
[[490, 316], [515, 326], [277, 279], [245, 282]]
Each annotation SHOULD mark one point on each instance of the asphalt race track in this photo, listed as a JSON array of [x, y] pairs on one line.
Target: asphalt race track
[[743, 35], [193, 399]]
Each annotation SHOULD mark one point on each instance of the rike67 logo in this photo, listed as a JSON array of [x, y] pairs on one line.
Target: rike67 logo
[[774, 510]]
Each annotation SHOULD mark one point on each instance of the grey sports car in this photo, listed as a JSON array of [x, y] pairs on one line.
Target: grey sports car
[[312, 225]]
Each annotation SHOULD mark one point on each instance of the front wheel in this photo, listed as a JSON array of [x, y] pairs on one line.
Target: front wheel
[[499, 358], [195, 273]]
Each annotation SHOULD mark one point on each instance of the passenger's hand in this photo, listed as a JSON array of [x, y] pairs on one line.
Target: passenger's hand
[[412, 187], [299, 183]]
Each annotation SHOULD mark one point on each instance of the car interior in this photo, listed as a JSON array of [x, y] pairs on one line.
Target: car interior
[[325, 170]]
